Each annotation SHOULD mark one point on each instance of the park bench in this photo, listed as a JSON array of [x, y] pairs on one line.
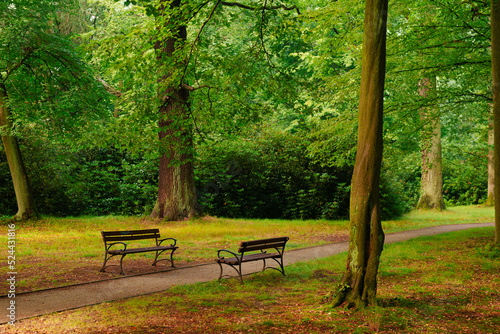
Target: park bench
[[118, 238], [255, 250]]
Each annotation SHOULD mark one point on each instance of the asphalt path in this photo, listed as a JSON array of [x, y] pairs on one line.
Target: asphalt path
[[32, 304]]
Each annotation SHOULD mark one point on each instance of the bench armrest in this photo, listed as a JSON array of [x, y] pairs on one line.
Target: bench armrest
[[227, 251], [108, 246], [162, 240]]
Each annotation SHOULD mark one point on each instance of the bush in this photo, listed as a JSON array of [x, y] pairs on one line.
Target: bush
[[96, 181], [272, 176], [107, 181], [465, 184]]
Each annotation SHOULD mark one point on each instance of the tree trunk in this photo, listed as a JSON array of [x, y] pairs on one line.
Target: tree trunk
[[359, 283], [431, 189], [495, 67], [490, 201], [176, 188], [24, 195]]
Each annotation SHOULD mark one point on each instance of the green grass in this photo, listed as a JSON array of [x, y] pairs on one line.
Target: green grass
[[60, 251], [458, 291]]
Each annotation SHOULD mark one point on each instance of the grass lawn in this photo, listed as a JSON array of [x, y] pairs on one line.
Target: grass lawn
[[445, 283], [59, 251]]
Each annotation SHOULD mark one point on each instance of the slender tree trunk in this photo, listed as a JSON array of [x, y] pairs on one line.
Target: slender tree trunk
[[490, 201], [431, 189], [359, 284], [176, 188], [24, 194], [495, 61]]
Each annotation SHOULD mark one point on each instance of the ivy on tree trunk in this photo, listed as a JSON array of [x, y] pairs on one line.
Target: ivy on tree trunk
[[359, 284]]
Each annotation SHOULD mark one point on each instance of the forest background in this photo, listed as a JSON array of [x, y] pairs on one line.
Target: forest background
[[272, 106]]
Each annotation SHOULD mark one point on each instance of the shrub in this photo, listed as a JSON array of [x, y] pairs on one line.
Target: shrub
[[273, 176]]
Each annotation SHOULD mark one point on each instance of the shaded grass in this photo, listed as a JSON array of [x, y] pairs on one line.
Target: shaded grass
[[421, 293]]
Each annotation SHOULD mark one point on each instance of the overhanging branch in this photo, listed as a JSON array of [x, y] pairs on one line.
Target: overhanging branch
[[265, 7], [110, 89]]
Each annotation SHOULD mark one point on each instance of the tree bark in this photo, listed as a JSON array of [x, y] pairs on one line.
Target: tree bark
[[490, 201], [495, 68], [431, 188], [176, 187], [22, 188], [359, 283]]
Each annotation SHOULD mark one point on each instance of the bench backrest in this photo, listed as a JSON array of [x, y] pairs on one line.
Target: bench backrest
[[112, 236], [255, 245]]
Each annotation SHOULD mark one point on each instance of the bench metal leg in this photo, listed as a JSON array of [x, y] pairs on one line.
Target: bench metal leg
[[121, 265], [106, 259], [238, 271], [158, 253], [281, 269]]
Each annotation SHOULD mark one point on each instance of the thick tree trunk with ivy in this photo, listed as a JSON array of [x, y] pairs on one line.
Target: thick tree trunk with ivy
[[431, 188], [490, 200], [495, 61], [24, 194], [176, 188], [359, 283]]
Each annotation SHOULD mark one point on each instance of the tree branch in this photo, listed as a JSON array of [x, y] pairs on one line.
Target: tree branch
[[110, 89], [29, 52], [265, 7]]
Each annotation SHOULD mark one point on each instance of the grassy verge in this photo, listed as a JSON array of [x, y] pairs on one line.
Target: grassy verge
[[61, 251], [440, 284]]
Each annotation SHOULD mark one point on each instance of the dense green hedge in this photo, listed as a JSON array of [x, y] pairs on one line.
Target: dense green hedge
[[90, 182], [270, 175], [273, 175]]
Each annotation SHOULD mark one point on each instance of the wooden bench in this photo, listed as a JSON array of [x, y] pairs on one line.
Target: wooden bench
[[255, 250], [117, 238]]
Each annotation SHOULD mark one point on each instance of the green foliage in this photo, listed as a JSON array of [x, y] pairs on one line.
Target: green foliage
[[271, 175], [465, 184], [107, 181], [96, 181], [51, 91]]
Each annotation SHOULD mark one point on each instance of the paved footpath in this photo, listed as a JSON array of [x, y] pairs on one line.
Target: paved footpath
[[37, 303]]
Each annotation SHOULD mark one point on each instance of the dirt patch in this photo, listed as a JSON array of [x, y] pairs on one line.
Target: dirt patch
[[330, 238]]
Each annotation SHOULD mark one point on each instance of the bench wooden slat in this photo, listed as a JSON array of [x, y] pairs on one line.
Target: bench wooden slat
[[130, 235], [250, 257], [263, 246], [263, 241], [140, 250], [131, 232]]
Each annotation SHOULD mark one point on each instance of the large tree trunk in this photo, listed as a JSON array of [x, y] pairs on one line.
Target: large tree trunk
[[24, 195], [431, 188], [176, 188], [495, 61], [490, 201], [366, 240]]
